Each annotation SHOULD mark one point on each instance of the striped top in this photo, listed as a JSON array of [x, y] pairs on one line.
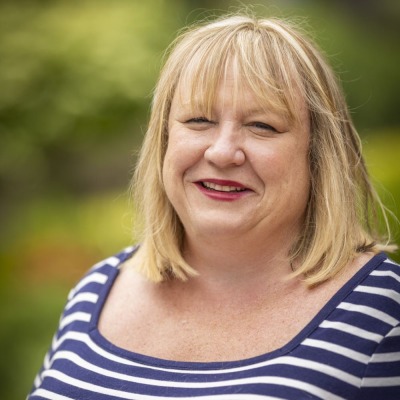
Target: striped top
[[350, 350]]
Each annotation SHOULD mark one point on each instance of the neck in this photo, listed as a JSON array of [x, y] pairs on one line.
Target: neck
[[232, 278], [239, 263]]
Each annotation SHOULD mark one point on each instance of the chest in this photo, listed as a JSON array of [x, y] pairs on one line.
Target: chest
[[206, 332]]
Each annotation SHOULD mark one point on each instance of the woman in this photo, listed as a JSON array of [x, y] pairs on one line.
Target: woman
[[260, 274]]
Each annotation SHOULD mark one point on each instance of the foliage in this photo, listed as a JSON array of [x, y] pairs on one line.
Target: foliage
[[56, 240], [76, 78], [28, 318]]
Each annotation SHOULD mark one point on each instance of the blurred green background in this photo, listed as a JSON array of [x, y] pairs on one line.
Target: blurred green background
[[75, 86]]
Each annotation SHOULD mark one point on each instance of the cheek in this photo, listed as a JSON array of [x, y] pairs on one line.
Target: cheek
[[170, 176], [178, 158], [272, 163], [173, 148], [287, 167], [184, 151], [299, 177]]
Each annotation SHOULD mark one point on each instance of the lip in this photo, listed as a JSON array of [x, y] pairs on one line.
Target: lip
[[220, 195], [223, 182]]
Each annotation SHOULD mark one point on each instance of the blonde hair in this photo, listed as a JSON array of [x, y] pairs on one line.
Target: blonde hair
[[271, 57]]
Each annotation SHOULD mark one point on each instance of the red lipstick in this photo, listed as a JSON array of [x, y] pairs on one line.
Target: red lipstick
[[222, 189]]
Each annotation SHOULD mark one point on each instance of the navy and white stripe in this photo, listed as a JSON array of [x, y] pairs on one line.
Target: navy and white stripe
[[350, 350]]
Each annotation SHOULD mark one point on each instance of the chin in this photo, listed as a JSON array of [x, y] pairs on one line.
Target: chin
[[215, 231]]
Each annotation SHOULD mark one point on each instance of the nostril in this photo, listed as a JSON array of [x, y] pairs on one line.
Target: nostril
[[240, 157], [223, 155]]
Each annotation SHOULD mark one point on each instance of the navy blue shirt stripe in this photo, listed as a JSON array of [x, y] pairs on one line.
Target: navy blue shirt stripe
[[350, 350]]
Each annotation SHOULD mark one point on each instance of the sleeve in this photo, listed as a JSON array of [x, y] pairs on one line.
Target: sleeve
[[77, 314], [382, 376], [47, 359]]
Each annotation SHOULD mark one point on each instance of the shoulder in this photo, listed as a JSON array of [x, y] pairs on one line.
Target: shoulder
[[382, 375], [382, 287], [84, 298], [367, 307], [388, 271], [100, 273]]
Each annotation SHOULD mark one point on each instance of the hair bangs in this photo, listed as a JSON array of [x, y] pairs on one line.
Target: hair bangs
[[252, 61], [203, 72], [261, 63], [280, 65]]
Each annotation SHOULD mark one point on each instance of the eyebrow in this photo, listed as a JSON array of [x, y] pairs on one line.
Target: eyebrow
[[267, 111], [198, 103]]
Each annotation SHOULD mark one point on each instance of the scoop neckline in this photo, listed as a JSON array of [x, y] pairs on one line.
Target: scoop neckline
[[156, 362]]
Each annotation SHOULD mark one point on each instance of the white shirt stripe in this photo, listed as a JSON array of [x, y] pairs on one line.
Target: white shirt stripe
[[335, 348], [386, 273], [372, 312], [265, 380], [81, 297], [76, 316], [391, 294], [352, 380], [54, 396], [386, 357], [352, 330], [389, 261], [302, 363], [95, 277], [50, 395], [92, 365], [394, 332], [381, 382]]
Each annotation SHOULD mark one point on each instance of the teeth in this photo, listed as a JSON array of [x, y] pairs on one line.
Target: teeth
[[221, 188]]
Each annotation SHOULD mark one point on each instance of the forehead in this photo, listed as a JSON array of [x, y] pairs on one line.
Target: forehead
[[199, 89]]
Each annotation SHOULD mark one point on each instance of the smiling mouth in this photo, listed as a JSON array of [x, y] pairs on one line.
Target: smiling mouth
[[222, 188]]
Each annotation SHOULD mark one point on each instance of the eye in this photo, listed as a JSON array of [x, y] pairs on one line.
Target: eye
[[198, 123], [197, 120], [261, 128]]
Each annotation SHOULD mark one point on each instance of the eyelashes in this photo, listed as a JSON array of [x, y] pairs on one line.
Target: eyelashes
[[257, 127], [262, 126], [198, 120], [199, 123]]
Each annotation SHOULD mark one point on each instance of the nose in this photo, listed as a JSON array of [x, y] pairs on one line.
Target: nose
[[226, 148]]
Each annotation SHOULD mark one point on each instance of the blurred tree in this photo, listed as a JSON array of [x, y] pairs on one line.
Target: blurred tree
[[383, 14], [365, 36], [75, 79]]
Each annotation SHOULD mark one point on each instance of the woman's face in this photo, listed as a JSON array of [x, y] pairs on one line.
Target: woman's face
[[241, 173]]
